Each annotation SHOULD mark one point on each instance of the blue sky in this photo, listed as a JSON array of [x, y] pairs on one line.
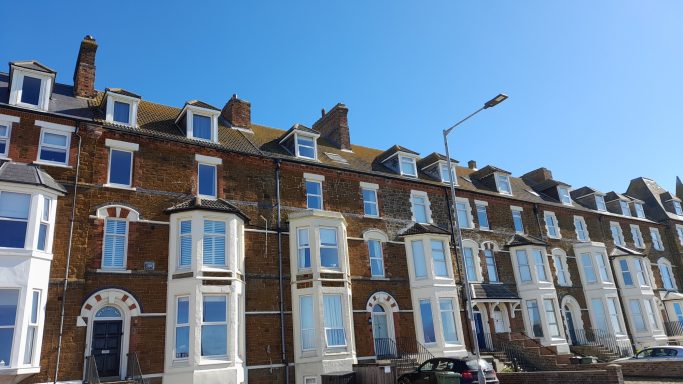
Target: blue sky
[[593, 85]]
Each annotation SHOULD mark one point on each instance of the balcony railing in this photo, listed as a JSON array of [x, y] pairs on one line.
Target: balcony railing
[[674, 328], [602, 338], [406, 352], [134, 372], [91, 375]]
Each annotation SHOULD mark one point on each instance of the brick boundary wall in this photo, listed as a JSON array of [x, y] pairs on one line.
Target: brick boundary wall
[[650, 369], [610, 375]]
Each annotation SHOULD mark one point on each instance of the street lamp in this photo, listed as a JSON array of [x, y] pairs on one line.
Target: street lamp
[[470, 307]]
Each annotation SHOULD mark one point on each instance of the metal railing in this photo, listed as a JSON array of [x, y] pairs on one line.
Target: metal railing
[[486, 342], [601, 338], [134, 372], [520, 358], [405, 352], [674, 328], [91, 375]]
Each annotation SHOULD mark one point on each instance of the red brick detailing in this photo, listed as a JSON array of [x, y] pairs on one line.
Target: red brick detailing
[[124, 298], [84, 74], [88, 307], [111, 212], [98, 298], [132, 307], [124, 213]]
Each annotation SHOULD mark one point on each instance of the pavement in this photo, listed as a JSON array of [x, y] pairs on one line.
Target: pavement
[[652, 381]]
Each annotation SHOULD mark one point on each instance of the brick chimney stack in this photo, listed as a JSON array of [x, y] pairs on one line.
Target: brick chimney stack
[[237, 112], [84, 75], [472, 165], [334, 126]]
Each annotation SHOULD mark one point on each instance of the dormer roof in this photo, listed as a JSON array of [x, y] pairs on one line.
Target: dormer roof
[[486, 171], [419, 229], [611, 196], [584, 191], [33, 65], [432, 159], [298, 128], [121, 91], [668, 196], [520, 240], [196, 104], [393, 151]]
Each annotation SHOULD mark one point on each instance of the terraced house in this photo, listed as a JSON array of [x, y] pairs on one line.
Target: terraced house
[[188, 244]]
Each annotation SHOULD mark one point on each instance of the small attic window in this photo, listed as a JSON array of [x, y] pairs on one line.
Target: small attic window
[[122, 109], [445, 175], [503, 184], [640, 212], [677, 208], [200, 121], [336, 158], [305, 146], [407, 166], [563, 193], [31, 88], [600, 203], [201, 127], [625, 209]]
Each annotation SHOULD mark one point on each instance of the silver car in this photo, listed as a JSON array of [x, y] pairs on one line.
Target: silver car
[[664, 353]]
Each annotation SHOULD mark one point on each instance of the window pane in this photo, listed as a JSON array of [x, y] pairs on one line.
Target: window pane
[[427, 321], [419, 259], [328, 248], [214, 340], [307, 323], [201, 127], [42, 236], [553, 327], [183, 310], [419, 209], [588, 270], [30, 90], [523, 265], [185, 243], [626, 273], [599, 313], [314, 195], [408, 166], [121, 112], [448, 320], [517, 220], [482, 216], [182, 342], [439, 256], [14, 205], [207, 180], [534, 318], [54, 139], [463, 217], [304, 249], [491, 266], [637, 315], [214, 309], [332, 320], [376, 258], [214, 243], [370, 202], [470, 268], [120, 165], [306, 147], [614, 315], [539, 260], [53, 154], [8, 314]]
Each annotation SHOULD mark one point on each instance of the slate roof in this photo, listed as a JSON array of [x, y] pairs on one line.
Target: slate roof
[[625, 250], [62, 101], [652, 194], [493, 291], [583, 191], [487, 170], [394, 149], [433, 158], [12, 172], [519, 240], [198, 203], [419, 229]]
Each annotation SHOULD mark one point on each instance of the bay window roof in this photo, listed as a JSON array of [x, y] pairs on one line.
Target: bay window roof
[[215, 205], [12, 172]]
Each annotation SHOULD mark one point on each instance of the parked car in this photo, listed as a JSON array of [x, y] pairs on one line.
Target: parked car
[[467, 367], [664, 353]]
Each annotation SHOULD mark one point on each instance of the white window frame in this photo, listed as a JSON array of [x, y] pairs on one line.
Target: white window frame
[[563, 193], [650, 313], [428, 212], [190, 111], [620, 239], [542, 266], [482, 206], [376, 257], [466, 209], [677, 207], [625, 209], [121, 146], [57, 129], [665, 269], [410, 159], [602, 264], [581, 229], [475, 267], [638, 314], [373, 189], [301, 324], [125, 244], [7, 121], [642, 274], [613, 313], [492, 266], [210, 323], [452, 314], [208, 161], [555, 225], [561, 269], [16, 329], [443, 169], [517, 210], [46, 210], [527, 266], [46, 83], [23, 220], [679, 231], [551, 318], [317, 179], [181, 325], [336, 246], [226, 241], [627, 271], [640, 211], [132, 110], [656, 239], [506, 180], [343, 327], [32, 327], [182, 235], [587, 264], [300, 246], [313, 138], [600, 203], [638, 240]]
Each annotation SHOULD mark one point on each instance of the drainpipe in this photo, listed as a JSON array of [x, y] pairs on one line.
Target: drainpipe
[[68, 257], [280, 271]]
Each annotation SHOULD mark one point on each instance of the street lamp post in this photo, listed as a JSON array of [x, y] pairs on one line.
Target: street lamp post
[[470, 307]]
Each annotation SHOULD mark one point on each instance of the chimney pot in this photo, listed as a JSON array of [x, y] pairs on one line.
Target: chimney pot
[[322, 113], [237, 112], [84, 74], [472, 164]]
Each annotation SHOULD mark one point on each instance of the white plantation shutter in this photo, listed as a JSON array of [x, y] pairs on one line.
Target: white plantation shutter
[[185, 243], [214, 242], [115, 236]]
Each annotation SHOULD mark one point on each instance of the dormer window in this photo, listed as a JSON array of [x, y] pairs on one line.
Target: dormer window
[[625, 210], [563, 192], [677, 208], [503, 184], [600, 203], [445, 175], [31, 85], [305, 146], [640, 212], [122, 107], [200, 121], [407, 166]]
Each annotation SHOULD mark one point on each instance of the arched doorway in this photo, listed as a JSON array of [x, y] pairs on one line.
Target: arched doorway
[[382, 307], [571, 312], [499, 315], [107, 332], [481, 327]]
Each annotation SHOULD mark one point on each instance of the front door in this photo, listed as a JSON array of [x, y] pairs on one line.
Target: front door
[[106, 346], [570, 325], [479, 326], [498, 321]]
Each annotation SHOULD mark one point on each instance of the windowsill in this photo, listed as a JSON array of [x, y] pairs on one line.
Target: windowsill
[[485, 229], [51, 164], [30, 106], [214, 360], [180, 363], [117, 186], [119, 271], [214, 268], [371, 216], [2, 157], [380, 278], [207, 197], [203, 139]]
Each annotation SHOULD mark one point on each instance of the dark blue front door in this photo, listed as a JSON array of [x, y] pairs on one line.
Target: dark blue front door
[[479, 326], [570, 325]]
